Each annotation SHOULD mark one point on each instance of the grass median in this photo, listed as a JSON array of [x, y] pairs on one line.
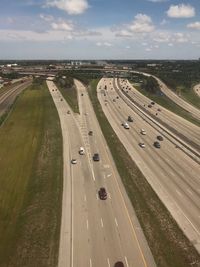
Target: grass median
[[169, 104], [31, 181], [168, 244], [70, 95]]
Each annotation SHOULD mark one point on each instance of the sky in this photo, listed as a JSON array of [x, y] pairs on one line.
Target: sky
[[99, 29]]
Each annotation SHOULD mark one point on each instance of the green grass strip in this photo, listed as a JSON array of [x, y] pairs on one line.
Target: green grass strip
[[70, 95], [169, 104], [31, 182], [167, 242]]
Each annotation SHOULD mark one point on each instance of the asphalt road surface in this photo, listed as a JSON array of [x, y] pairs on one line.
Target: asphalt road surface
[[94, 232], [8, 96], [195, 112], [173, 175], [181, 126]]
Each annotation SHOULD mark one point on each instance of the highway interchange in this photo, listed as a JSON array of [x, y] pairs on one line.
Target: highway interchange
[[102, 232]]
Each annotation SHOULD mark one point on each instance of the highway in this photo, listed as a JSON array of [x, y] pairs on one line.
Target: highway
[[196, 89], [195, 112], [187, 130], [8, 96], [173, 175], [94, 232]]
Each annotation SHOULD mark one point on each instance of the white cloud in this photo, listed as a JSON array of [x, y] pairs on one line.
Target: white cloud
[[170, 44], [195, 25], [181, 11], [179, 37], [162, 37], [141, 24], [72, 7], [62, 26], [46, 17]]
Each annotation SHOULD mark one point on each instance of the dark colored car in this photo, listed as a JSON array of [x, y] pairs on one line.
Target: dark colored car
[[152, 103], [82, 94], [61, 99], [102, 193], [90, 133], [96, 157], [149, 106], [160, 138], [130, 119], [157, 144], [119, 264]]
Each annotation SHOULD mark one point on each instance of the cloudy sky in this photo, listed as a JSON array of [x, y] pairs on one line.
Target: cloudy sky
[[99, 29]]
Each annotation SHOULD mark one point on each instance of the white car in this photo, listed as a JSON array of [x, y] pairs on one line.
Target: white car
[[142, 145], [126, 126], [143, 132], [81, 151], [73, 161]]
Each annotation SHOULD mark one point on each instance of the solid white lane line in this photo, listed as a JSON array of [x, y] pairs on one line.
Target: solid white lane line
[[87, 224], [93, 174], [116, 222], [85, 198], [90, 262], [108, 262], [126, 261], [101, 222], [97, 196]]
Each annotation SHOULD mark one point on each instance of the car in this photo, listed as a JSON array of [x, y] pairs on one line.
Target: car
[[143, 132], [102, 193], [96, 157], [160, 138], [81, 151], [81, 94], [149, 106], [158, 109], [68, 112], [73, 161], [152, 103], [142, 145], [61, 99], [130, 119], [114, 100], [119, 264], [117, 97], [157, 144], [126, 126], [90, 133]]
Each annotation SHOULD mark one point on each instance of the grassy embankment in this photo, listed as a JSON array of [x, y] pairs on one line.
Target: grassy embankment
[[31, 181], [190, 96], [69, 92], [168, 104], [167, 242]]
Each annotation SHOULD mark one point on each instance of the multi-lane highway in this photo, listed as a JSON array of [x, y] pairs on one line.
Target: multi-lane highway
[[173, 175], [178, 125], [8, 96], [94, 232], [174, 97]]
